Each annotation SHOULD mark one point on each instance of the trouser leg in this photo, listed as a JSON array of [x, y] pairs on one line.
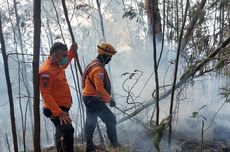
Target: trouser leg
[[57, 139], [66, 131], [96, 107], [110, 121], [90, 126]]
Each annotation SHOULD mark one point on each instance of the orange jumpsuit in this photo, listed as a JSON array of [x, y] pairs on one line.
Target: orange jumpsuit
[[96, 81], [54, 86]]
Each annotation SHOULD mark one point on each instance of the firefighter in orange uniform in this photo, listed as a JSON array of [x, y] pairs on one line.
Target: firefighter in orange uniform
[[56, 93], [96, 93]]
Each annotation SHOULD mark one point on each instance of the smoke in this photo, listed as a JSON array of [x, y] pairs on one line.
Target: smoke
[[134, 53]]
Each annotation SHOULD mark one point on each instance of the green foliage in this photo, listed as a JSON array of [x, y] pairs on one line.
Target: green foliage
[[196, 114], [224, 61], [220, 64], [227, 100], [189, 71], [160, 129], [123, 149], [131, 13], [225, 92]]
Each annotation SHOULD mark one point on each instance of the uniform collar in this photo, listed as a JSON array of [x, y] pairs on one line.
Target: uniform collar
[[100, 61]]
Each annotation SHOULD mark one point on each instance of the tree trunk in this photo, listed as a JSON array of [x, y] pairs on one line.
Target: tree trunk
[[102, 141], [10, 94], [192, 24], [76, 64], [36, 39], [19, 78], [71, 34], [56, 12], [101, 19], [156, 70], [50, 32], [23, 73], [175, 74], [7, 143], [153, 16], [222, 20]]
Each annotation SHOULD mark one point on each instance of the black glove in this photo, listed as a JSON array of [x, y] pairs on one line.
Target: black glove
[[112, 103]]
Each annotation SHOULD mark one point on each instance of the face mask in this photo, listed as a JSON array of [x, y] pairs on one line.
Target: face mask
[[63, 61], [107, 60]]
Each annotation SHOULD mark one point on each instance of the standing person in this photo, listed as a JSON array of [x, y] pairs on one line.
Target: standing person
[[56, 94], [97, 92]]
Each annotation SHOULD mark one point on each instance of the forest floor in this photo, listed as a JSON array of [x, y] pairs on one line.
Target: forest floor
[[81, 148], [184, 146], [185, 142]]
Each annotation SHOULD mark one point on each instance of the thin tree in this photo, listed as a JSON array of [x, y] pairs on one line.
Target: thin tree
[[59, 24], [101, 19], [192, 24], [36, 41], [153, 10], [104, 39], [76, 64], [71, 34], [155, 64], [9, 88], [22, 69], [175, 73], [19, 76], [163, 34], [7, 142]]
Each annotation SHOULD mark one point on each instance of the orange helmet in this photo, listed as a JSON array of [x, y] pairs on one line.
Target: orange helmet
[[106, 48]]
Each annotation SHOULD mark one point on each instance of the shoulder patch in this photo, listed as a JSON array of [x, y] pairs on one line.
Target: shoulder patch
[[100, 75], [45, 80], [45, 75]]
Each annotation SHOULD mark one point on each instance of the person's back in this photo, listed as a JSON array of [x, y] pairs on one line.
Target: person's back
[[96, 81]]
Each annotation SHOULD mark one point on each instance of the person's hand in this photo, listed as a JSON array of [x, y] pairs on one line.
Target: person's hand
[[74, 46], [64, 118], [112, 103]]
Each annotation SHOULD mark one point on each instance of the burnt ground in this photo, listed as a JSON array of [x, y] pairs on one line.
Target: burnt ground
[[212, 146], [183, 145], [142, 141]]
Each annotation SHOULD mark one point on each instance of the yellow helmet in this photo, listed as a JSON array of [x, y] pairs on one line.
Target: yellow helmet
[[106, 48]]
